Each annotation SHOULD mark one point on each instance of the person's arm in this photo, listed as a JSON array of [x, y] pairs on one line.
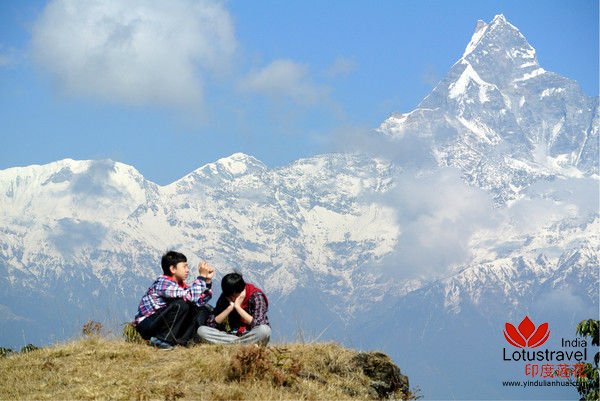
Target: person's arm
[[206, 272], [201, 288], [200, 292], [169, 289], [223, 315], [257, 304], [246, 317]]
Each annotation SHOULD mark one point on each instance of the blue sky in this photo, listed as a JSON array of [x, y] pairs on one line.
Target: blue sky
[[168, 86]]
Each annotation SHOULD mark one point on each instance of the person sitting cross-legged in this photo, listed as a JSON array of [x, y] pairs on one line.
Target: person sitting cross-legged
[[240, 315]]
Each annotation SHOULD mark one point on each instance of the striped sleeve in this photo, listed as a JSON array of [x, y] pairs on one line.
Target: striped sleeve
[[199, 292]]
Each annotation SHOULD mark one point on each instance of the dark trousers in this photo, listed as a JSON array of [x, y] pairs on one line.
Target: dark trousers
[[176, 323]]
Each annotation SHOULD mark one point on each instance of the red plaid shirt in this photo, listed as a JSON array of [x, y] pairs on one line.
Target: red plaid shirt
[[165, 289]]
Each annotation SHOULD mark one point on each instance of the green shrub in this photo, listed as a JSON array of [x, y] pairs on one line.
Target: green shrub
[[5, 352], [28, 348], [131, 335]]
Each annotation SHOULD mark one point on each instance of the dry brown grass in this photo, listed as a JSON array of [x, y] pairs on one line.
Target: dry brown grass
[[96, 368]]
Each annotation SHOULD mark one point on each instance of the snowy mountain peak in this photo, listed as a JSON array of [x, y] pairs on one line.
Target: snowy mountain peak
[[236, 165], [498, 116], [73, 173], [481, 24], [225, 169], [500, 53], [480, 30], [500, 20], [240, 164], [499, 23], [78, 189]]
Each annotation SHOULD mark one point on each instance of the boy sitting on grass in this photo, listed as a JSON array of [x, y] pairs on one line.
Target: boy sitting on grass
[[171, 311], [240, 315]]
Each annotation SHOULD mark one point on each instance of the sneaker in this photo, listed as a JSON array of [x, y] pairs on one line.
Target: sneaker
[[158, 343]]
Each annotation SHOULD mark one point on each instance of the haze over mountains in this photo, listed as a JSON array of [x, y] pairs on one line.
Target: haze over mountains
[[477, 207]]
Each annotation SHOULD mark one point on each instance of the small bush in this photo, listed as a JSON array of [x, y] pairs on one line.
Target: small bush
[[257, 363], [28, 348], [5, 352], [91, 328], [249, 362], [131, 335]]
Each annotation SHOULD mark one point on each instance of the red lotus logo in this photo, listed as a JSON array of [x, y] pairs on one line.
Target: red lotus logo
[[526, 335]]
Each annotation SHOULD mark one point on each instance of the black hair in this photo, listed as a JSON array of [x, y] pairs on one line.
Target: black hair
[[169, 259], [232, 283]]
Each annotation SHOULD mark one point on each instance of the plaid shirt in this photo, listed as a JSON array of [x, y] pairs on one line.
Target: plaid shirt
[[165, 289], [257, 307]]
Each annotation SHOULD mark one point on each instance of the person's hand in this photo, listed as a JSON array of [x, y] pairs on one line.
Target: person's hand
[[206, 271], [240, 298]]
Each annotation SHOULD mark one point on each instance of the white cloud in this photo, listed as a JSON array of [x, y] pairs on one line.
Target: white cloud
[[548, 202], [285, 79], [135, 51], [566, 300], [341, 66], [446, 223], [438, 214], [408, 151]]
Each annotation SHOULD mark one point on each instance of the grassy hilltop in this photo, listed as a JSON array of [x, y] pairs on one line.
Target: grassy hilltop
[[95, 368]]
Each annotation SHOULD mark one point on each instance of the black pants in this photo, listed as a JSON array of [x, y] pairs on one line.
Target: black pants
[[176, 323]]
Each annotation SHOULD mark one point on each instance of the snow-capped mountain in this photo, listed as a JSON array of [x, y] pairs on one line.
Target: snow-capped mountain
[[95, 228], [500, 218], [502, 119]]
